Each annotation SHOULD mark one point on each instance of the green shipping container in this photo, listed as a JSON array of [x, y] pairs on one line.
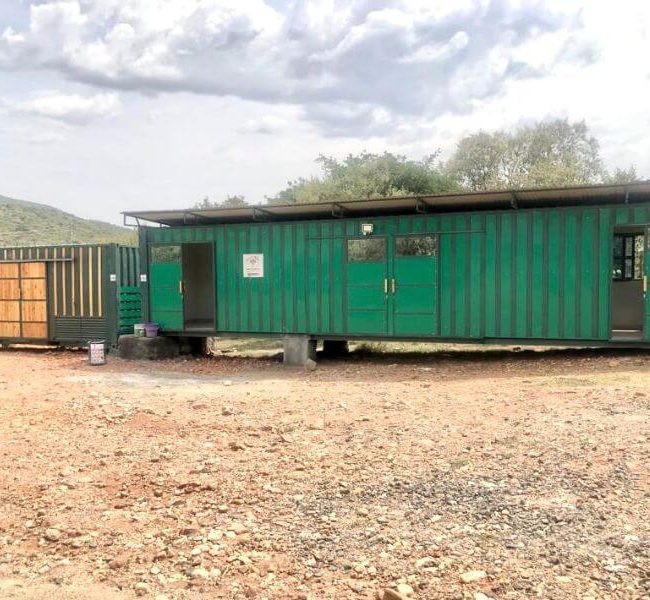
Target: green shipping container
[[561, 266], [68, 294]]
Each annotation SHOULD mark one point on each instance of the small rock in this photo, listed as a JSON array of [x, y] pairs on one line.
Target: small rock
[[481, 596], [141, 589], [200, 573], [52, 535], [404, 589], [393, 595], [119, 562], [470, 576], [425, 561], [237, 528], [226, 411], [310, 365]]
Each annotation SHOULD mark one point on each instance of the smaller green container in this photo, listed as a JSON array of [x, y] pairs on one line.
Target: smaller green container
[[139, 330]]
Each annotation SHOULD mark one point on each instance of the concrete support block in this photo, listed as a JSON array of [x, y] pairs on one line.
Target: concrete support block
[[132, 347], [299, 350], [335, 348]]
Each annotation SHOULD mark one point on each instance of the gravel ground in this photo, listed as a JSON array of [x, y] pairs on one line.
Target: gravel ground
[[452, 475]]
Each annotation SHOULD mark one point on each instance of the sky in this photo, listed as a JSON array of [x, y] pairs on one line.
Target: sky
[[112, 105]]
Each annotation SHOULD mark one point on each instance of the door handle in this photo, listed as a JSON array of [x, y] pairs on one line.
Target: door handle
[[394, 286], [181, 287], [645, 284], [386, 286]]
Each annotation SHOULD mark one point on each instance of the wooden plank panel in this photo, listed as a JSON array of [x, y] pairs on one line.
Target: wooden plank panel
[[9, 330], [34, 289], [8, 270], [9, 311], [32, 270], [9, 289], [35, 330], [34, 310]]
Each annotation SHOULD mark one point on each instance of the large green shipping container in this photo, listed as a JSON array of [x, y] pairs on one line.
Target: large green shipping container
[[68, 294], [566, 267]]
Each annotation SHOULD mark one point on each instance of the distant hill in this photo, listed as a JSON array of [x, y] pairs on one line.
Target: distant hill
[[25, 223]]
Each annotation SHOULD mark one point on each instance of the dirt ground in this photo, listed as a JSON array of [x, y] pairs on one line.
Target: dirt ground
[[451, 475]]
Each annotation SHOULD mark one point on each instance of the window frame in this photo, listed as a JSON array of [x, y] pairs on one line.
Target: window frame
[[422, 234], [620, 262], [367, 238]]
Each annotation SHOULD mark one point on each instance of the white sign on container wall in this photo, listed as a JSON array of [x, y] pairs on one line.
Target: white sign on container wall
[[253, 265]]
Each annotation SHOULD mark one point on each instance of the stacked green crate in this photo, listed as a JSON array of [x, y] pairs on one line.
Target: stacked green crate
[[129, 308]]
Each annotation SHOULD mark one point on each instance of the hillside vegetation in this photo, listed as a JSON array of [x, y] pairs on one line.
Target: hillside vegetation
[[25, 223]]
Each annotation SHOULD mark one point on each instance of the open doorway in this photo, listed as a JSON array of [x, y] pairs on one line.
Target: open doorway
[[628, 300], [198, 287]]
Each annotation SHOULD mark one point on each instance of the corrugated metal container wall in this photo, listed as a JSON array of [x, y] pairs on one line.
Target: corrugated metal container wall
[[82, 287], [517, 274]]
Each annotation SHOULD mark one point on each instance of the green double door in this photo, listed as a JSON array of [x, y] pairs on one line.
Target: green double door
[[392, 285], [166, 287]]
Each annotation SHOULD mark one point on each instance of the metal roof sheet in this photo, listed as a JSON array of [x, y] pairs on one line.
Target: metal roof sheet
[[458, 201]]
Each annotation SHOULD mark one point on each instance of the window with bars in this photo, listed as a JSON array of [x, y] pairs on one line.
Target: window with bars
[[628, 256]]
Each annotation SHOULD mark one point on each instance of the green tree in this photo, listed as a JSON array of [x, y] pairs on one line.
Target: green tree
[[231, 201], [628, 175], [549, 154], [367, 175]]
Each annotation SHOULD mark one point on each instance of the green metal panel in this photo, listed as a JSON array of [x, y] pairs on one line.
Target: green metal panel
[[513, 274], [415, 300], [367, 311], [165, 280]]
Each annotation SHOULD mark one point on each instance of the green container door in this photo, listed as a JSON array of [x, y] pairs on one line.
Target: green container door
[[392, 285], [165, 287], [414, 285], [367, 286]]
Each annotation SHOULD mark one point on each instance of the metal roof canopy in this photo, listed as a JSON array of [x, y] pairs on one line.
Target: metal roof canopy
[[464, 201]]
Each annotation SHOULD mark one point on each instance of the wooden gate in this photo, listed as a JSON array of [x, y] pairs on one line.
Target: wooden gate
[[23, 300]]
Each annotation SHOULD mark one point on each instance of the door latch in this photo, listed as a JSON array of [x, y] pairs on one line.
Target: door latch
[[181, 287], [394, 286], [386, 286]]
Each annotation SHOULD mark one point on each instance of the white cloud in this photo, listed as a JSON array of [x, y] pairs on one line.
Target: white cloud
[[399, 56], [69, 108], [217, 97], [267, 124]]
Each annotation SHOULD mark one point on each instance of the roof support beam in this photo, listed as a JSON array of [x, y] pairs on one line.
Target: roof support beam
[[260, 213], [338, 210]]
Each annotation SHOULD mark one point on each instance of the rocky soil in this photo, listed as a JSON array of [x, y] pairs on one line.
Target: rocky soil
[[460, 475]]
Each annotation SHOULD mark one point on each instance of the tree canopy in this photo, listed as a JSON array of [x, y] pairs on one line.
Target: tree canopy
[[551, 153], [232, 201], [367, 175]]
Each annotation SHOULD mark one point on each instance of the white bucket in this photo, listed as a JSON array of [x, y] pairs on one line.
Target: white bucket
[[138, 330], [97, 352]]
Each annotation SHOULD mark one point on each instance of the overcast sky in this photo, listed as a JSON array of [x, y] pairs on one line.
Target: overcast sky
[[110, 105]]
